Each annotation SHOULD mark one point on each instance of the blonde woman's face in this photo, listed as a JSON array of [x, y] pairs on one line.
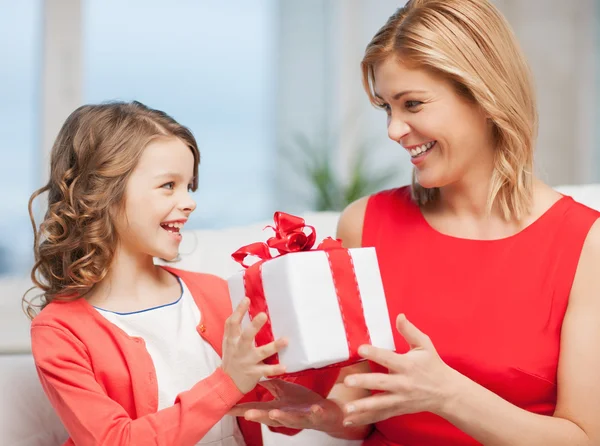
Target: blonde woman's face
[[158, 200], [447, 137]]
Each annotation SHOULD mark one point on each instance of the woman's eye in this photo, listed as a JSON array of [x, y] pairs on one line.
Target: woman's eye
[[190, 187], [385, 107], [412, 104], [170, 185]]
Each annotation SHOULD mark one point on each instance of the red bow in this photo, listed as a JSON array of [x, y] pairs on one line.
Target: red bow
[[290, 236]]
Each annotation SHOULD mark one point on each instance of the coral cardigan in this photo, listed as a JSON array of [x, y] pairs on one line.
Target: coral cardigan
[[102, 382]]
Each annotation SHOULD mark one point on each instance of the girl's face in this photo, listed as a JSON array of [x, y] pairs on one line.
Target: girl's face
[[447, 136], [157, 200]]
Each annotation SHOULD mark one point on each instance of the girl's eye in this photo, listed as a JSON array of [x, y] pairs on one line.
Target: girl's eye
[[170, 185], [412, 104], [190, 187]]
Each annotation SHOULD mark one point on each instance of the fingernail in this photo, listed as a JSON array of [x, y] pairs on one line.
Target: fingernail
[[347, 423], [350, 408], [350, 382], [362, 350]]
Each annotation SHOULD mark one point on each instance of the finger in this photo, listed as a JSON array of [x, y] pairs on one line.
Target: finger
[[374, 381], [387, 358], [239, 410], [415, 337], [234, 321], [271, 370], [279, 388], [239, 312], [262, 417], [320, 416], [270, 349], [375, 403], [293, 419], [369, 417], [274, 386], [249, 333]]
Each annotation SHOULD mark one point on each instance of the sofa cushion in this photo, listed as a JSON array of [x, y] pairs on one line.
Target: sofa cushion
[[26, 416]]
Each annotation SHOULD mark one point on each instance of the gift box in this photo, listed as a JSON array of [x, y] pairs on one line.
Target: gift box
[[327, 300]]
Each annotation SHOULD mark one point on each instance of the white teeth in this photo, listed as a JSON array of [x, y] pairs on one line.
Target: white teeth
[[421, 149], [173, 225]]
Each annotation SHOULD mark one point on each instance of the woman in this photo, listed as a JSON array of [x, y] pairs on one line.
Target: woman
[[499, 272]]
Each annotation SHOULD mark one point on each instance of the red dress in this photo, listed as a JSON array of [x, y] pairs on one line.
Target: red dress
[[492, 308]]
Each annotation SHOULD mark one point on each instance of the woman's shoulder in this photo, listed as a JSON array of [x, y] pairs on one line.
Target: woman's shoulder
[[352, 219]]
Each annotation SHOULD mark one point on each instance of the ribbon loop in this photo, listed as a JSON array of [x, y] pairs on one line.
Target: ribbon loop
[[258, 249], [290, 235]]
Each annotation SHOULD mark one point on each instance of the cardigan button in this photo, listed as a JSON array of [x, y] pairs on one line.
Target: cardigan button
[[202, 328]]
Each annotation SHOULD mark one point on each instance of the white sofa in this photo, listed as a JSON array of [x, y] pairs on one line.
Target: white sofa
[[26, 418]]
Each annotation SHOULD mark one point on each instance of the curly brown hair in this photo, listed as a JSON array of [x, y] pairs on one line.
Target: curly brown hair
[[92, 158]]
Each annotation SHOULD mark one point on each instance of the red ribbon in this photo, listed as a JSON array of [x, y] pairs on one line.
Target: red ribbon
[[290, 236]]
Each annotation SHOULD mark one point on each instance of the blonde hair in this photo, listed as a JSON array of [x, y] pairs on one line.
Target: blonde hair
[[92, 158], [469, 43]]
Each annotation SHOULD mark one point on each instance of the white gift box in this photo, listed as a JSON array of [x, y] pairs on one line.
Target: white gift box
[[303, 306]]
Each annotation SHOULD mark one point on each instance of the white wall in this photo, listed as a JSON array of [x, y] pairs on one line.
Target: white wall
[[560, 41]]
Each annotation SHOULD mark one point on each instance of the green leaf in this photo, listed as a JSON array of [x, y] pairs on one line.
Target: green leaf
[[312, 161]]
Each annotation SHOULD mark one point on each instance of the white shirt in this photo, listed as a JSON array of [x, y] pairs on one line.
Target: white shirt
[[181, 357]]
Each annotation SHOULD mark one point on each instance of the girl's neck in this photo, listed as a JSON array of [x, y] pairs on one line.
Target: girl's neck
[[134, 283]]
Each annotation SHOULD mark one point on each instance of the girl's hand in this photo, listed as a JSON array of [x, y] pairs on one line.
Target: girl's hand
[[418, 380], [242, 360]]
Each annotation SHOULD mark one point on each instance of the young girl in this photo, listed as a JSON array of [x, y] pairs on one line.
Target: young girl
[[128, 352]]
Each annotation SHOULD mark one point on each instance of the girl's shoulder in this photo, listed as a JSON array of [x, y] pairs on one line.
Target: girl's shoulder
[[209, 291], [196, 281]]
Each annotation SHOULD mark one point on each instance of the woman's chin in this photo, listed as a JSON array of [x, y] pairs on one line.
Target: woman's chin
[[428, 182]]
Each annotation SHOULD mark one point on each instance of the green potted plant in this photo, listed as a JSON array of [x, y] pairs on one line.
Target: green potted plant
[[314, 161]]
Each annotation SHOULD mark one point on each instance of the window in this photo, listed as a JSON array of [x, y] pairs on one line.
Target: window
[[20, 29], [209, 65]]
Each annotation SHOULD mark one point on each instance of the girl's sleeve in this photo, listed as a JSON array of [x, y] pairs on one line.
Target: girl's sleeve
[[92, 418]]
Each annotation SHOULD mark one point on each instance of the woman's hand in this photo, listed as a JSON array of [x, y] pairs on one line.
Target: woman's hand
[[294, 407], [242, 360], [418, 380]]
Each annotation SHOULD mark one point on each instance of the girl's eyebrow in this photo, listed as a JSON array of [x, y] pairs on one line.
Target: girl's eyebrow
[[168, 175]]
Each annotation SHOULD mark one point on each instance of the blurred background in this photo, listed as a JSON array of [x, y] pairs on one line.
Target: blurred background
[[270, 88]]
